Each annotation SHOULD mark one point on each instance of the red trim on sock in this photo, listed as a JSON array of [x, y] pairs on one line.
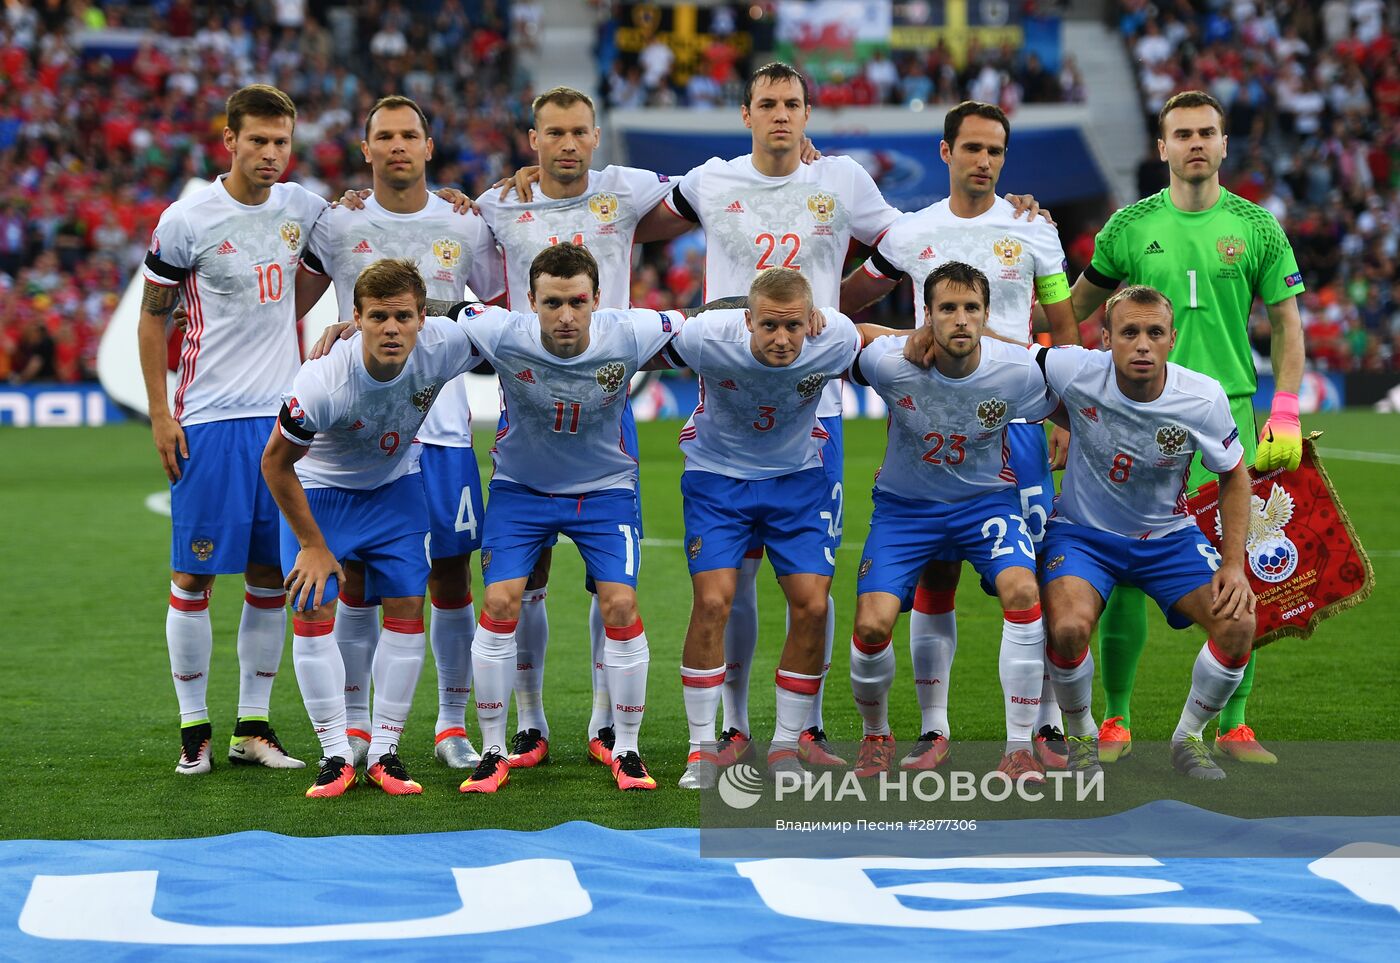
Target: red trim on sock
[[1023, 616], [188, 605], [709, 680], [794, 683], [869, 649], [499, 626], [1061, 661], [312, 630], [265, 602], [930, 602], [756, 553], [359, 734], [778, 754], [452, 604], [354, 601], [404, 626], [1224, 659], [624, 633], [449, 733]]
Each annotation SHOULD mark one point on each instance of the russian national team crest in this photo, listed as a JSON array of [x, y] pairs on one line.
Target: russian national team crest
[[991, 413], [1007, 251], [447, 251], [422, 399], [811, 384], [1230, 248], [1272, 555], [693, 549], [823, 207], [1171, 439], [291, 235], [203, 548], [604, 207], [610, 376]]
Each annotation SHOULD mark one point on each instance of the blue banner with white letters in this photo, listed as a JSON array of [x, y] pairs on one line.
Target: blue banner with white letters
[[57, 406], [584, 891]]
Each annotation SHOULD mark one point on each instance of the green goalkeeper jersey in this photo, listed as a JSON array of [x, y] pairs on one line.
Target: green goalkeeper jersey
[[1211, 264]]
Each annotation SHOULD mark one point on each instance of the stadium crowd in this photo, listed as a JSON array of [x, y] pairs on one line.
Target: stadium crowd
[[98, 133], [1313, 93]]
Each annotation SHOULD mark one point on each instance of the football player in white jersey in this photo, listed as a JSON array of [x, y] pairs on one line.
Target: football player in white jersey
[[945, 490], [768, 209], [1024, 262], [561, 469], [599, 210], [231, 250], [1136, 420], [453, 253], [342, 468]]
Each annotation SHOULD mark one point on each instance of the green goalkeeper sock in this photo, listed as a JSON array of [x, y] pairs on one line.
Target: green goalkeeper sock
[[1122, 636], [1233, 713]]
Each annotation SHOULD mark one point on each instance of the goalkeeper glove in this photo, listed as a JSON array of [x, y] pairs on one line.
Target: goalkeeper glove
[[1281, 443]]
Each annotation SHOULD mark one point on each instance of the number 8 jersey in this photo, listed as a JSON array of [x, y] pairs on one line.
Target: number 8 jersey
[[236, 267], [1129, 460]]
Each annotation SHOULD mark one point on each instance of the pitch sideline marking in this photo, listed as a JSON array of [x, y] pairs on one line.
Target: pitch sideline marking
[[1347, 454]]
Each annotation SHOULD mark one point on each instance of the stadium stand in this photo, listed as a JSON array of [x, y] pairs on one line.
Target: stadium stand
[[107, 110], [1313, 92]]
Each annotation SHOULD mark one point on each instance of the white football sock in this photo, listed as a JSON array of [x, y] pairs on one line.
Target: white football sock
[[1214, 679], [933, 642], [794, 693], [1074, 691], [1049, 710], [1021, 665], [398, 659], [700, 687], [261, 633], [321, 678], [190, 641], [451, 633], [531, 641], [740, 642], [356, 633], [493, 666], [872, 674], [602, 715], [627, 657]]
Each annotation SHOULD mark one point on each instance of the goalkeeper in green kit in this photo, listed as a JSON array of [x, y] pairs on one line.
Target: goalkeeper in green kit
[[1211, 252]]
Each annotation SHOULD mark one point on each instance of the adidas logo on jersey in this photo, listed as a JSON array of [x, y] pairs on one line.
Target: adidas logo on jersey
[[728, 383], [363, 248], [359, 423], [525, 218], [526, 376], [227, 248], [1092, 412], [906, 402], [1154, 248], [735, 208], [927, 254]]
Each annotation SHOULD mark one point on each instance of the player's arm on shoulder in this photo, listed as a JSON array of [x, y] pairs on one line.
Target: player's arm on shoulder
[[673, 216], [868, 283], [314, 565], [720, 304], [869, 332], [1090, 292], [1233, 597], [310, 286]]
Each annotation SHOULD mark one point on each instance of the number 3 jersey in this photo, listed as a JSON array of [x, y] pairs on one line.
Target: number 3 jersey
[[803, 220], [453, 251], [756, 421], [359, 431], [947, 436], [1129, 460], [561, 418], [236, 267]]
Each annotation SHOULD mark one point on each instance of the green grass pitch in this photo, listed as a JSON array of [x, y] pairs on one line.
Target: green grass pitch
[[93, 737]]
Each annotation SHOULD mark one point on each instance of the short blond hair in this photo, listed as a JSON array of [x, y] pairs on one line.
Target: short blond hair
[[781, 284], [1142, 294], [388, 277]]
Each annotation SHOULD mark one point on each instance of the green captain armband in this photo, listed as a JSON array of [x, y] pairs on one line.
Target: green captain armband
[[1052, 289]]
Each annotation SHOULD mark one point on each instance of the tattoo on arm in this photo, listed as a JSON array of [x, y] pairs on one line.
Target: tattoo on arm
[[438, 309], [719, 304], [158, 299]]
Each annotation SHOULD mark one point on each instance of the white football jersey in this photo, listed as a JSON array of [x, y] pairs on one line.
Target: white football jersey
[[603, 219], [360, 432], [753, 420], [236, 267], [453, 251], [947, 436], [1129, 461], [805, 220], [1019, 258], [561, 418]]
